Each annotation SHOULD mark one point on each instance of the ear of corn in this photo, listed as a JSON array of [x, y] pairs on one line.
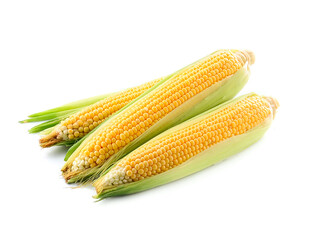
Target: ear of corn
[[190, 147], [85, 120], [54, 116], [189, 92]]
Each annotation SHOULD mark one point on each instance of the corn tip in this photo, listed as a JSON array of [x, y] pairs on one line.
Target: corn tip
[[250, 56], [273, 103], [49, 140]]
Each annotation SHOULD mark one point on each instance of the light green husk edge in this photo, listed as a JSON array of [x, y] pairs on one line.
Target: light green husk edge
[[55, 115], [201, 161], [213, 96]]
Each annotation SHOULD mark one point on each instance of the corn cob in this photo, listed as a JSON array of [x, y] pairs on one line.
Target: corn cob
[[81, 123], [190, 146], [189, 92]]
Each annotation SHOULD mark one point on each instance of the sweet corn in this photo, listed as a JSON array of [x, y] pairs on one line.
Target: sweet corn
[[198, 87], [81, 123], [190, 146]]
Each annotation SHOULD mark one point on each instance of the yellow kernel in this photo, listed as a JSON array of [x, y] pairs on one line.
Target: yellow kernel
[[71, 136]]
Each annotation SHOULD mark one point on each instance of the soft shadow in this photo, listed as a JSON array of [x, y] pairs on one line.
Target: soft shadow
[[128, 197], [58, 151], [109, 200]]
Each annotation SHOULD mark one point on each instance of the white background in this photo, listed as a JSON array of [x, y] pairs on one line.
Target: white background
[[54, 52]]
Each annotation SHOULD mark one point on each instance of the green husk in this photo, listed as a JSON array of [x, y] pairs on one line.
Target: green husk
[[214, 95], [50, 116], [54, 116], [71, 106], [45, 125], [201, 161]]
